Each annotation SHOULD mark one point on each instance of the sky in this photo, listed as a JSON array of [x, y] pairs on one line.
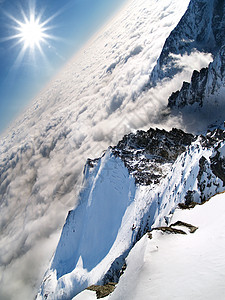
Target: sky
[[66, 27]]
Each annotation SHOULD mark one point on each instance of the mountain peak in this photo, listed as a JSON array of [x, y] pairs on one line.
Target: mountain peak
[[205, 87], [200, 29]]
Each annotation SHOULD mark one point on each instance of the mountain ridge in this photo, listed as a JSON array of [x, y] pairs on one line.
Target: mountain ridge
[[192, 176], [200, 29], [204, 86]]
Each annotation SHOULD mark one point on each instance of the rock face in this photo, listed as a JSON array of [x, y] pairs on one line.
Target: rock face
[[201, 28], [205, 87], [147, 154], [104, 290]]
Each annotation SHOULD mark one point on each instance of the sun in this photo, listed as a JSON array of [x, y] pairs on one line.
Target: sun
[[31, 33]]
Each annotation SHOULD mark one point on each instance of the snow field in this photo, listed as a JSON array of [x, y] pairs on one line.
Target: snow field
[[182, 267]]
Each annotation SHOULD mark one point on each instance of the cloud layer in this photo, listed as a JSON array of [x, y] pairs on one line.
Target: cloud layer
[[97, 98]]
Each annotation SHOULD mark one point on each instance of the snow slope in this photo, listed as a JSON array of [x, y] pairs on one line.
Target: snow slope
[[172, 266], [114, 213], [86, 107]]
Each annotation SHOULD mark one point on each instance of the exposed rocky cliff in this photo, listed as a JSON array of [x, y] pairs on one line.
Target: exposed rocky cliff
[[147, 154], [206, 86], [202, 28]]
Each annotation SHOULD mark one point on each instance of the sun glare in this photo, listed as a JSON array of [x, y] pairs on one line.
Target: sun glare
[[31, 33]]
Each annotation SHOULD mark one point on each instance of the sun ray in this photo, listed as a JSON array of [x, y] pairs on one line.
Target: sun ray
[[32, 31]]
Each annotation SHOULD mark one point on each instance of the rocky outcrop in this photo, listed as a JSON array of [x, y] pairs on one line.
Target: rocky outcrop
[[204, 86], [102, 290], [146, 153], [174, 228], [201, 28]]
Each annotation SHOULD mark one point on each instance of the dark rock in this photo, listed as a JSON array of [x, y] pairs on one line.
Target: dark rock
[[169, 230], [201, 28], [145, 152], [102, 290], [190, 93], [218, 166], [124, 267], [187, 206], [203, 84], [191, 205], [191, 228]]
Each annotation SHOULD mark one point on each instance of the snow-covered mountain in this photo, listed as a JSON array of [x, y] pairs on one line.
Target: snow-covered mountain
[[207, 87], [165, 265], [132, 188], [204, 94], [201, 29]]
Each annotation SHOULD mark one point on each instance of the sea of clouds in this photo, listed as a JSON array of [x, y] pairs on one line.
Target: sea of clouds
[[97, 98]]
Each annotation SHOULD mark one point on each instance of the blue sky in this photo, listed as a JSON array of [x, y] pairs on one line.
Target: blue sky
[[71, 24]]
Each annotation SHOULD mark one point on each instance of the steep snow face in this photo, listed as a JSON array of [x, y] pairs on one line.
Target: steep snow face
[[205, 92], [114, 212], [92, 237], [170, 266], [89, 106], [201, 29]]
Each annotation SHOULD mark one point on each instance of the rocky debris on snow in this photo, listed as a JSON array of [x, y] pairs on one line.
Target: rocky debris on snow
[[191, 228], [189, 206], [169, 229], [102, 290], [172, 228]]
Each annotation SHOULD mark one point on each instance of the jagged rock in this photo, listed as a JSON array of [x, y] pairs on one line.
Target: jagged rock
[[145, 153], [218, 166], [191, 228], [169, 230], [190, 93], [203, 87], [102, 290], [201, 28]]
